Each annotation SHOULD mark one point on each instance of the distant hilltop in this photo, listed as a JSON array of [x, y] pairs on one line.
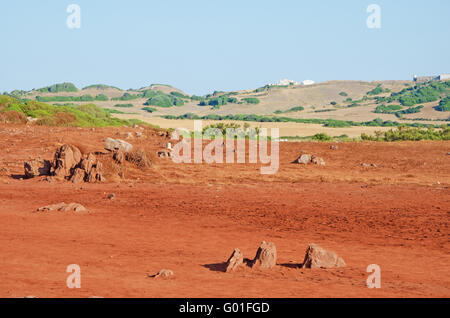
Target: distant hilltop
[[288, 82], [441, 77]]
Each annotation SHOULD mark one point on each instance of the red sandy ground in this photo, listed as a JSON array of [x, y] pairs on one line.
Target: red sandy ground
[[189, 218]]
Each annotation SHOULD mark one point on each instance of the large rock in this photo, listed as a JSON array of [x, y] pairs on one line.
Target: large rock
[[66, 158], [236, 259], [266, 256], [117, 144], [164, 273], [35, 168], [317, 257], [63, 207], [303, 159]]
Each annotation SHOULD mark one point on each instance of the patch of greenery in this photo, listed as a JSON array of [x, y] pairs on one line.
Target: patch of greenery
[[376, 91], [87, 115], [344, 94], [58, 88], [124, 105], [290, 110], [444, 105], [390, 109], [378, 122], [149, 109], [251, 100], [100, 87], [403, 133]]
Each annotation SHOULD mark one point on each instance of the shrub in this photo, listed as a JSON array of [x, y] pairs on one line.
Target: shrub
[[251, 100], [149, 109], [124, 105], [13, 117], [344, 94], [322, 137], [101, 97], [444, 105], [57, 88]]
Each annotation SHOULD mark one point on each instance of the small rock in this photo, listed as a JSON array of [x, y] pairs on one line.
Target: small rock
[[334, 147], [36, 168], [119, 156], [111, 196], [317, 257], [164, 154], [318, 161], [266, 256], [164, 273], [236, 259], [139, 134]]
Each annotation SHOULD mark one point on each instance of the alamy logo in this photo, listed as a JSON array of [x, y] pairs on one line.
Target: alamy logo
[[74, 279], [374, 279], [234, 147], [74, 19], [374, 19]]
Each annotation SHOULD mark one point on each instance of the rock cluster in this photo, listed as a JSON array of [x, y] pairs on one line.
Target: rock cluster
[[68, 163], [306, 159]]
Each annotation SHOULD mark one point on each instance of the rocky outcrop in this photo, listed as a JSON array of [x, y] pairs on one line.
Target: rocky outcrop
[[63, 207], [117, 144], [317, 257], [164, 273], [66, 158], [69, 164], [36, 168], [236, 259], [266, 256]]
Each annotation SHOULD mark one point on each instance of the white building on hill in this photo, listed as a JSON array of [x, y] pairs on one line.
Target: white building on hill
[[308, 82]]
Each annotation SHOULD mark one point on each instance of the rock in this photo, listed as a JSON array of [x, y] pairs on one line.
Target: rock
[[266, 256], [317, 161], [63, 207], [164, 273], [119, 156], [236, 259], [78, 176], [36, 168], [334, 147], [96, 173], [130, 135], [139, 134], [4, 171], [368, 165], [317, 257], [66, 158], [164, 153], [111, 196], [117, 144], [303, 159]]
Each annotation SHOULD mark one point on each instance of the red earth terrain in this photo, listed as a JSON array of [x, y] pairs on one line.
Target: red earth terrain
[[190, 217]]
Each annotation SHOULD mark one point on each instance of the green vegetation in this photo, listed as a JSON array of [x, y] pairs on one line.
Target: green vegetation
[[344, 94], [390, 109], [58, 88], [83, 98], [149, 109], [100, 87], [251, 100], [88, 115], [403, 133], [444, 105], [325, 110], [378, 122], [418, 94], [124, 105], [127, 97], [290, 110], [376, 91]]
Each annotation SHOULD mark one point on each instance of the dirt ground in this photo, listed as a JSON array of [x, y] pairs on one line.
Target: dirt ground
[[190, 217]]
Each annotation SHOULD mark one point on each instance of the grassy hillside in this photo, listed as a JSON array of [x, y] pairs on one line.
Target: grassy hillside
[[88, 115]]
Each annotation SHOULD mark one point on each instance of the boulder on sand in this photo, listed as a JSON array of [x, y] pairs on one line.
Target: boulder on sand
[[317, 257], [66, 158], [117, 144], [236, 259], [164, 273], [318, 161], [36, 168], [63, 207], [303, 159], [266, 256]]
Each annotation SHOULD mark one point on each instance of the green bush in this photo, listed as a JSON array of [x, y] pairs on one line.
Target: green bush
[[150, 109], [251, 100], [444, 105], [344, 94], [123, 105], [403, 133], [57, 88]]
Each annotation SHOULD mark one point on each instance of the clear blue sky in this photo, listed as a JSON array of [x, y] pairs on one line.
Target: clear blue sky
[[204, 45]]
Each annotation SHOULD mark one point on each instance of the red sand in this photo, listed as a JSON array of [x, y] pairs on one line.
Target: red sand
[[189, 218]]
